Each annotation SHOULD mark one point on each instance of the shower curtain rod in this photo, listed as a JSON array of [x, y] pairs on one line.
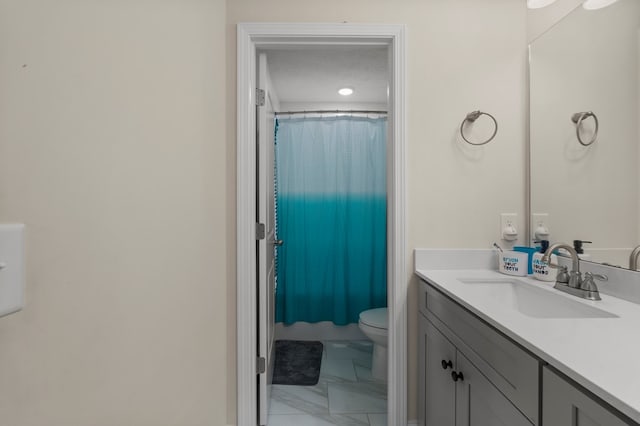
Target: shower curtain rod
[[332, 111]]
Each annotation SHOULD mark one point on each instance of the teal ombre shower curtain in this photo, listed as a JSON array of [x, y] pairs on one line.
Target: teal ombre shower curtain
[[331, 215]]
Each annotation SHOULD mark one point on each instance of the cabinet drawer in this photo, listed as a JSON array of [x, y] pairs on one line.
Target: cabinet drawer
[[511, 369]]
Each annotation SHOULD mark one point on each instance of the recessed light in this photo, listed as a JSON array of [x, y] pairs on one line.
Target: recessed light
[[346, 91], [537, 4], [597, 4]]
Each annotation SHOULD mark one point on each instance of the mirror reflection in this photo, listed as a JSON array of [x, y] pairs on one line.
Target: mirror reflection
[[584, 91]]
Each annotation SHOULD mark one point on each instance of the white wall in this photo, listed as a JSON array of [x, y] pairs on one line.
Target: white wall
[[462, 55], [322, 106], [542, 19], [112, 151]]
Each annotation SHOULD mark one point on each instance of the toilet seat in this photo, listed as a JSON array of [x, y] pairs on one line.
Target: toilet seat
[[376, 318]]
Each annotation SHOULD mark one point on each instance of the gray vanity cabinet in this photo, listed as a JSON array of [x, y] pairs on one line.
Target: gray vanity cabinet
[[565, 405], [470, 399], [469, 374], [437, 388]]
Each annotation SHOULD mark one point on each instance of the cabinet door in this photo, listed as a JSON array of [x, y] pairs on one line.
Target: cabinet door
[[437, 389], [479, 403], [565, 405], [509, 368]]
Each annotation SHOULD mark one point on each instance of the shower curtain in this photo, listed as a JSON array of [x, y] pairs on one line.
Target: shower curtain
[[331, 215]]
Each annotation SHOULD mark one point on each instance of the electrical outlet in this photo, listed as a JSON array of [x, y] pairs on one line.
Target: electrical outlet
[[508, 221], [539, 220]]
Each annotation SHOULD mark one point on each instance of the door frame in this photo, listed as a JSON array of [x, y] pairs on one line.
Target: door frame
[[250, 36]]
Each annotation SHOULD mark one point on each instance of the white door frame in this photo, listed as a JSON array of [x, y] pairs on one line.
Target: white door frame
[[251, 35]]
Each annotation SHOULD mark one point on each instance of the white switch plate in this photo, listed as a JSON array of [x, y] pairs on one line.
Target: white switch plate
[[538, 219], [11, 268], [505, 220]]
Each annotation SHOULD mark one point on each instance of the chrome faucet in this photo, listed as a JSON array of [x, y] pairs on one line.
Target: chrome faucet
[[572, 282], [633, 259]]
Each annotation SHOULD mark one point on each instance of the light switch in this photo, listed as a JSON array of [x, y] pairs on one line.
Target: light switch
[[12, 275]]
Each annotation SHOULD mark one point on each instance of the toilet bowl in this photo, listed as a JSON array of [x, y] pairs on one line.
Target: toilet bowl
[[374, 323]]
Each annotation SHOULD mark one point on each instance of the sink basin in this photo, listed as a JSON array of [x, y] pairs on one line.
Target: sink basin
[[533, 301]]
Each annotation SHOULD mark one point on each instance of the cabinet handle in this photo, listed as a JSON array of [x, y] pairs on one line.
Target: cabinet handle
[[457, 376], [447, 364]]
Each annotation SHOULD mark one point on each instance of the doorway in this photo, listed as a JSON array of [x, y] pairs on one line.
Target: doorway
[[252, 37]]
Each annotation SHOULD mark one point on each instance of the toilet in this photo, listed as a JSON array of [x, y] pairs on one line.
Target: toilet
[[374, 323]]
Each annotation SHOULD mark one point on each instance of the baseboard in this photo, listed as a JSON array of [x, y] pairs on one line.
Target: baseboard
[[412, 423], [325, 330]]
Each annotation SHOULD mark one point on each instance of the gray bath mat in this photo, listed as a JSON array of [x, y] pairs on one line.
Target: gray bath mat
[[297, 362]]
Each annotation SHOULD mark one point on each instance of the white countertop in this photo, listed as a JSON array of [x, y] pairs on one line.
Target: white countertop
[[601, 354]]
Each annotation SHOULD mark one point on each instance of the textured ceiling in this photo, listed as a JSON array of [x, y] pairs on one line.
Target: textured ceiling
[[314, 74]]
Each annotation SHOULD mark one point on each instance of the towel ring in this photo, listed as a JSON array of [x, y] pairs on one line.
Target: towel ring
[[473, 116], [578, 118]]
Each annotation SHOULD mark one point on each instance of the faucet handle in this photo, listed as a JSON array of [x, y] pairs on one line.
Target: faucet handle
[[563, 275], [599, 277], [589, 284]]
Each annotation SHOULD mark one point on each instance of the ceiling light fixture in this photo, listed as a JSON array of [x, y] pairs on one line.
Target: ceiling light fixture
[[597, 4], [346, 91], [537, 4]]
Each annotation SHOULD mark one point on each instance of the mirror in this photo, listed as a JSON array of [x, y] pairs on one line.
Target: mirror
[[588, 62]]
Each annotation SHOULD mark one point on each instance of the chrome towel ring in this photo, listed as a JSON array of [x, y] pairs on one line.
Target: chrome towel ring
[[473, 116], [578, 118]]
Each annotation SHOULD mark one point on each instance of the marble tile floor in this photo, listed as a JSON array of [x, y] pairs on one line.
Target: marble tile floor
[[346, 394]]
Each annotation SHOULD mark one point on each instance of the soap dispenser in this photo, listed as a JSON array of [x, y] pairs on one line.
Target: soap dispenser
[[543, 271], [577, 245]]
